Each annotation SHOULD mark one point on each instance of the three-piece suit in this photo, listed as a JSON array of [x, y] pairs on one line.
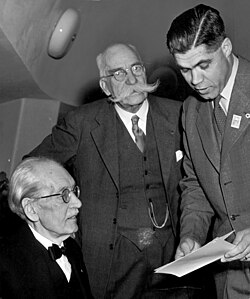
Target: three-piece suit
[[117, 183]]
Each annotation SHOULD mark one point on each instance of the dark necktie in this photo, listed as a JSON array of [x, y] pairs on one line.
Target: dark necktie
[[56, 252], [139, 135], [220, 116]]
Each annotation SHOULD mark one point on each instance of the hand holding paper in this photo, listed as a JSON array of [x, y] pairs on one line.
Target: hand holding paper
[[186, 247], [205, 255]]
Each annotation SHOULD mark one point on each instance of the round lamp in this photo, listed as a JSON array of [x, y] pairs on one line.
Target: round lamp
[[64, 33]]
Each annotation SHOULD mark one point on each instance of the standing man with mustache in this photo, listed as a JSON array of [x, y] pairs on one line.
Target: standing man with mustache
[[125, 155]]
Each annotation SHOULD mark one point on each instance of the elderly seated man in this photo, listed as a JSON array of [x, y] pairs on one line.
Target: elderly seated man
[[42, 260]]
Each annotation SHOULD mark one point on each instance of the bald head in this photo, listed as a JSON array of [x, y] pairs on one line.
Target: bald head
[[112, 53]]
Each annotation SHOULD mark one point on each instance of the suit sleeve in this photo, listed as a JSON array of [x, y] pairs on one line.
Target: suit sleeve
[[196, 212], [62, 144]]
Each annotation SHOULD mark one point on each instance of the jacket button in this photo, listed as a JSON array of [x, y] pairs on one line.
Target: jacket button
[[123, 206], [111, 246], [114, 221], [233, 217]]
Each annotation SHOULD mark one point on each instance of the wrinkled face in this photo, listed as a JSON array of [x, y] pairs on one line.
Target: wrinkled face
[[57, 219], [126, 91], [206, 72]]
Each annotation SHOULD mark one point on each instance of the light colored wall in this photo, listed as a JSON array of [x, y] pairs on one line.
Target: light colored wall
[[144, 23]]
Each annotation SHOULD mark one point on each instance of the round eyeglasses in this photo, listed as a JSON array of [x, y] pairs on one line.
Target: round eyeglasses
[[121, 74], [66, 194]]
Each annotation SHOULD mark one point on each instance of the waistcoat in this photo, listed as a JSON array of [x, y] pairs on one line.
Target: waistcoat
[[140, 180]]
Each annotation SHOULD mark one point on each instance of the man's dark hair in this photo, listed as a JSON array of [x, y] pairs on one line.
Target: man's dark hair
[[196, 26]]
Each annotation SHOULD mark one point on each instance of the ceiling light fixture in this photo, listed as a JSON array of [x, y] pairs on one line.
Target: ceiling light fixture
[[64, 33]]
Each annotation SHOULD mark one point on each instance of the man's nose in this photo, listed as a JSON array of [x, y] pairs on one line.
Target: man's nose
[[196, 77], [75, 201], [131, 78]]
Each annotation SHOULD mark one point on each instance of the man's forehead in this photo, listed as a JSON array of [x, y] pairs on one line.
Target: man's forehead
[[194, 56], [53, 174], [120, 56]]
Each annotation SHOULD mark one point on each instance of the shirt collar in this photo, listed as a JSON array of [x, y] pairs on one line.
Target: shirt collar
[[44, 241], [141, 113], [227, 91]]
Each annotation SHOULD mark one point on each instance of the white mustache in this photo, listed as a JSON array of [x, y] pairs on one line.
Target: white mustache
[[139, 88]]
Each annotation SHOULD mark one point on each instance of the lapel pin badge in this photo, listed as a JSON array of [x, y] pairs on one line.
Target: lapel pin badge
[[236, 121]]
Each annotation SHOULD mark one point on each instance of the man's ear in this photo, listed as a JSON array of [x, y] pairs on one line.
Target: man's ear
[[104, 87], [227, 47], [30, 209]]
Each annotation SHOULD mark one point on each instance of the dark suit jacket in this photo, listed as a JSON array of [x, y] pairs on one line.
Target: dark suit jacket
[[86, 139], [215, 188], [27, 271]]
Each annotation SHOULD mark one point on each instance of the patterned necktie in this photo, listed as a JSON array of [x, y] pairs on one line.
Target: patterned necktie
[[220, 116], [139, 135]]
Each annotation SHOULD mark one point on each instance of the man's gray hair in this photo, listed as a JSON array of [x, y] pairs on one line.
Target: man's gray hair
[[101, 58], [24, 182]]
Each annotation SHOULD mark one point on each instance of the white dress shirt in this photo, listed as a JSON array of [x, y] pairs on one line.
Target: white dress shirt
[[126, 117], [227, 91], [63, 262]]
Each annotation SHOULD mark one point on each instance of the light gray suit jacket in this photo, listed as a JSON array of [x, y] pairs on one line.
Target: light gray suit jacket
[[217, 188]]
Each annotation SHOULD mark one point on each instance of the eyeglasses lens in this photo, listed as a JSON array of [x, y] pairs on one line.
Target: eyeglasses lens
[[66, 194], [136, 69], [76, 191], [120, 75]]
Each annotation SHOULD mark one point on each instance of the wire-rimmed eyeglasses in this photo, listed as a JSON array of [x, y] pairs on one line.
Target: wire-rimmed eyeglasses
[[66, 194], [120, 74]]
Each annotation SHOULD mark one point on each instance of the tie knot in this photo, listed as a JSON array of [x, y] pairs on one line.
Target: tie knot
[[56, 252], [135, 119], [217, 101], [135, 128]]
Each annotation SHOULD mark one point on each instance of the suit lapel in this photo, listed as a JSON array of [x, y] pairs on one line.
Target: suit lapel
[[40, 262], [105, 137], [79, 271], [165, 138], [204, 124], [239, 107]]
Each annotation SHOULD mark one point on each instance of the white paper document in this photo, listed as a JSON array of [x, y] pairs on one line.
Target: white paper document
[[205, 255]]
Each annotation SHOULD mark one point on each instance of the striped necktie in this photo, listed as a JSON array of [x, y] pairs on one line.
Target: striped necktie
[[139, 135]]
